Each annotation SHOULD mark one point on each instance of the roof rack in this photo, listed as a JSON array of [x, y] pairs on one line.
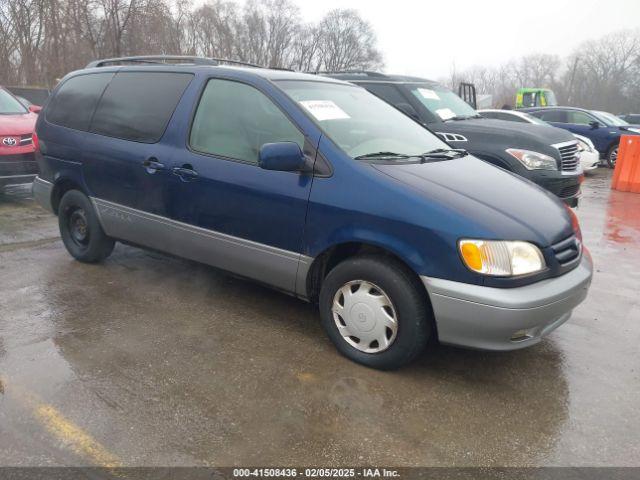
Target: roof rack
[[368, 73], [170, 59]]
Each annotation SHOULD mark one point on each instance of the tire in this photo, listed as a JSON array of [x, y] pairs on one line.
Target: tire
[[612, 156], [80, 229], [372, 281]]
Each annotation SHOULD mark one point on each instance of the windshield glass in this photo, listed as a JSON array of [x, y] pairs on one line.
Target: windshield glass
[[9, 105], [610, 119], [442, 103], [358, 121]]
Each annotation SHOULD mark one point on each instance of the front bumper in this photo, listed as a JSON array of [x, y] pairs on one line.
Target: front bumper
[[589, 160], [565, 186], [506, 318]]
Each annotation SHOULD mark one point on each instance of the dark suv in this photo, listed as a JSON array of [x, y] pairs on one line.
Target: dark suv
[[545, 155]]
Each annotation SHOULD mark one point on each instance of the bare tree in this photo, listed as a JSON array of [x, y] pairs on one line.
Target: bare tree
[[42, 40], [599, 74], [347, 42]]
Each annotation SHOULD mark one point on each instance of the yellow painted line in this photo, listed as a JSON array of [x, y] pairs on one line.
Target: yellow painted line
[[306, 377], [71, 435]]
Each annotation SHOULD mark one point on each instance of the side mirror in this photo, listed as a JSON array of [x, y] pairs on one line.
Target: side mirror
[[595, 124], [408, 110], [35, 109], [282, 156]]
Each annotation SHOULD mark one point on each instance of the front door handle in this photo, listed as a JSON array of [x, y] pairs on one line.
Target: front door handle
[[185, 172], [152, 164]]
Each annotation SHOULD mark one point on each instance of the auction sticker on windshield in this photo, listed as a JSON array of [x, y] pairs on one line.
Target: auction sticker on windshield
[[429, 94], [324, 110], [445, 113]]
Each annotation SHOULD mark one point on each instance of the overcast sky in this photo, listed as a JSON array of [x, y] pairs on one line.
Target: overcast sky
[[425, 38]]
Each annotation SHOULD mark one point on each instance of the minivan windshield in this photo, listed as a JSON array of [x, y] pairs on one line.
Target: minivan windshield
[[9, 105], [359, 122], [442, 103]]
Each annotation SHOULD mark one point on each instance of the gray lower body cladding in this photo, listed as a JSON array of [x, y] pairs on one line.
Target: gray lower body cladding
[[276, 267]]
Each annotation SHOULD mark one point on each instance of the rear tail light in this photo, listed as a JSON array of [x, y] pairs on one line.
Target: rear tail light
[[36, 142]]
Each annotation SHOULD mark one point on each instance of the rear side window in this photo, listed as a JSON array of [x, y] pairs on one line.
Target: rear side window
[[234, 120], [552, 116], [76, 100], [580, 118], [388, 93], [137, 106]]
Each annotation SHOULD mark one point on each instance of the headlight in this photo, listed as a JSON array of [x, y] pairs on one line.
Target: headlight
[[533, 160], [584, 143], [634, 130], [583, 147], [501, 258]]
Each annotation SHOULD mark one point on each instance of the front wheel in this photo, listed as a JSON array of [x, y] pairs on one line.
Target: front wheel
[[375, 311], [612, 156], [80, 229]]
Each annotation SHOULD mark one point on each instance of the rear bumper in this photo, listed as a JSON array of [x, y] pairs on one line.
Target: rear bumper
[[506, 318], [42, 193]]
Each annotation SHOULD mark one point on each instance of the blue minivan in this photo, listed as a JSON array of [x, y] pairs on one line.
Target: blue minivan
[[317, 188]]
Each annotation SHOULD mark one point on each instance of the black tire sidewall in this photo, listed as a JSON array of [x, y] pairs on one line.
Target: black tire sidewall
[[410, 303], [99, 246], [609, 153]]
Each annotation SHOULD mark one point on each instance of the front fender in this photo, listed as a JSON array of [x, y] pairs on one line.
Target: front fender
[[408, 253]]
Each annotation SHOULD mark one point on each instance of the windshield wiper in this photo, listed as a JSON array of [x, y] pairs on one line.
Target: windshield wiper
[[374, 155], [437, 154], [443, 154]]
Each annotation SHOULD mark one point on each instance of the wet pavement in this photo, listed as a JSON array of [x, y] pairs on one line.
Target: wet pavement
[[151, 360]]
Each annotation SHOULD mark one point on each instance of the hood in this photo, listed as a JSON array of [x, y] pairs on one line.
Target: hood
[[488, 135], [22, 124], [627, 127], [491, 202]]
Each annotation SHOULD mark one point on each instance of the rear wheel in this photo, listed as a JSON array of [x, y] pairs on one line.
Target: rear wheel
[[612, 156], [80, 229], [375, 311]]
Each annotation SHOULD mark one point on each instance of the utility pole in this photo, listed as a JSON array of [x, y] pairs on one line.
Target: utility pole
[[573, 76]]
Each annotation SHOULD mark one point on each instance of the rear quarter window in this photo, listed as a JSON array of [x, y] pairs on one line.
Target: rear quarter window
[[557, 116], [75, 101], [137, 106]]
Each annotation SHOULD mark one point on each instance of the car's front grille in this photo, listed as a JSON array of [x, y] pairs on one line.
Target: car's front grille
[[569, 155], [568, 251], [26, 140], [20, 164]]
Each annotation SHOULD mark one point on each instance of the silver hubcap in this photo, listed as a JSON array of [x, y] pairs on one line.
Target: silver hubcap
[[365, 316], [614, 156]]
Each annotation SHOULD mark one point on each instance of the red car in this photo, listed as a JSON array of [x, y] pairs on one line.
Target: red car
[[17, 123]]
